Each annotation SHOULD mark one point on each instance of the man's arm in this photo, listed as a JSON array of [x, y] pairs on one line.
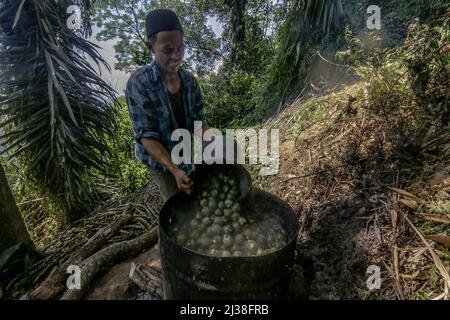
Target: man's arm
[[145, 125], [156, 150]]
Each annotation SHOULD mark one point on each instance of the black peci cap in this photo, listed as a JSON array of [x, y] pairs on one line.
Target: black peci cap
[[162, 20]]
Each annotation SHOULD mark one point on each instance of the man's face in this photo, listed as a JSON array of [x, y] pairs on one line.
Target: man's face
[[168, 48]]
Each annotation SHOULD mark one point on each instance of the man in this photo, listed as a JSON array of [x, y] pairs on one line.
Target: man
[[162, 97]]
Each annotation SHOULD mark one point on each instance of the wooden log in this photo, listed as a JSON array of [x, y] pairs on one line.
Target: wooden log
[[54, 284], [147, 278], [115, 252]]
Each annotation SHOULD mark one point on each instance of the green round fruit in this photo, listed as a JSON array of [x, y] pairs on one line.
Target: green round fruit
[[213, 252], [217, 240], [261, 239], [236, 225], [221, 205], [205, 194], [216, 229], [227, 241], [214, 193], [194, 223], [194, 234], [218, 220], [205, 211], [203, 242], [225, 253], [218, 212], [236, 208], [227, 228], [206, 220], [248, 234], [279, 237], [210, 231], [239, 238], [190, 244], [212, 204], [228, 203], [250, 245], [227, 213], [222, 196], [242, 221], [279, 245], [204, 202], [236, 253], [225, 188]]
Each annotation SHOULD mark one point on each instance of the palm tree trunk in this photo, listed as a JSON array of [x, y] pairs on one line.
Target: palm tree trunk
[[12, 227]]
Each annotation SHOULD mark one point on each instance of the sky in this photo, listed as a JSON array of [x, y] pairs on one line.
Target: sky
[[118, 79]]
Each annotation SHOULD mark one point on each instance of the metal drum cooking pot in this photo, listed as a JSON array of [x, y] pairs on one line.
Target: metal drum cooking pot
[[188, 274]]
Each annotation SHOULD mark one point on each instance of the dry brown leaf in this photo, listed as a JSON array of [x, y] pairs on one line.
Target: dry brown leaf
[[406, 194], [409, 203], [437, 218], [440, 238]]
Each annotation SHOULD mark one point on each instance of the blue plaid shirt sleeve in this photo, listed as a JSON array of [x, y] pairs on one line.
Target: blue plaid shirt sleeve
[[142, 114]]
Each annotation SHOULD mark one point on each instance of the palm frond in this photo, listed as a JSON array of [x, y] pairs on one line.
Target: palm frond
[[56, 111]]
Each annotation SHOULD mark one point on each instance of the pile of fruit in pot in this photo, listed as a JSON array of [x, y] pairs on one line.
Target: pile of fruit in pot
[[219, 228]]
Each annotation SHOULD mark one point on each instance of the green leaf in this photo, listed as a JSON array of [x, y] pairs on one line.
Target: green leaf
[[19, 11]]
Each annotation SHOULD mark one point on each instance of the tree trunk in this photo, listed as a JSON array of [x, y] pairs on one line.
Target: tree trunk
[[237, 8], [12, 227]]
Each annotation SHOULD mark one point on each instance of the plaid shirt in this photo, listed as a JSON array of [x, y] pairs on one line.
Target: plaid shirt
[[151, 113]]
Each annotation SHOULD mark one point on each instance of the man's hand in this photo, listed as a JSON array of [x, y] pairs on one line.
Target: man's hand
[[155, 149], [183, 181]]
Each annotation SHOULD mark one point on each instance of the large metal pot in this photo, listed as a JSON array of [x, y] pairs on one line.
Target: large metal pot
[[190, 275]]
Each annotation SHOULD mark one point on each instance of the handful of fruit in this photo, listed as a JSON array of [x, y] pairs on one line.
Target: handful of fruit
[[219, 228]]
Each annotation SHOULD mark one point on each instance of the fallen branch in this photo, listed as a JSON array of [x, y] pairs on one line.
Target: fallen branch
[[54, 284], [113, 253]]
